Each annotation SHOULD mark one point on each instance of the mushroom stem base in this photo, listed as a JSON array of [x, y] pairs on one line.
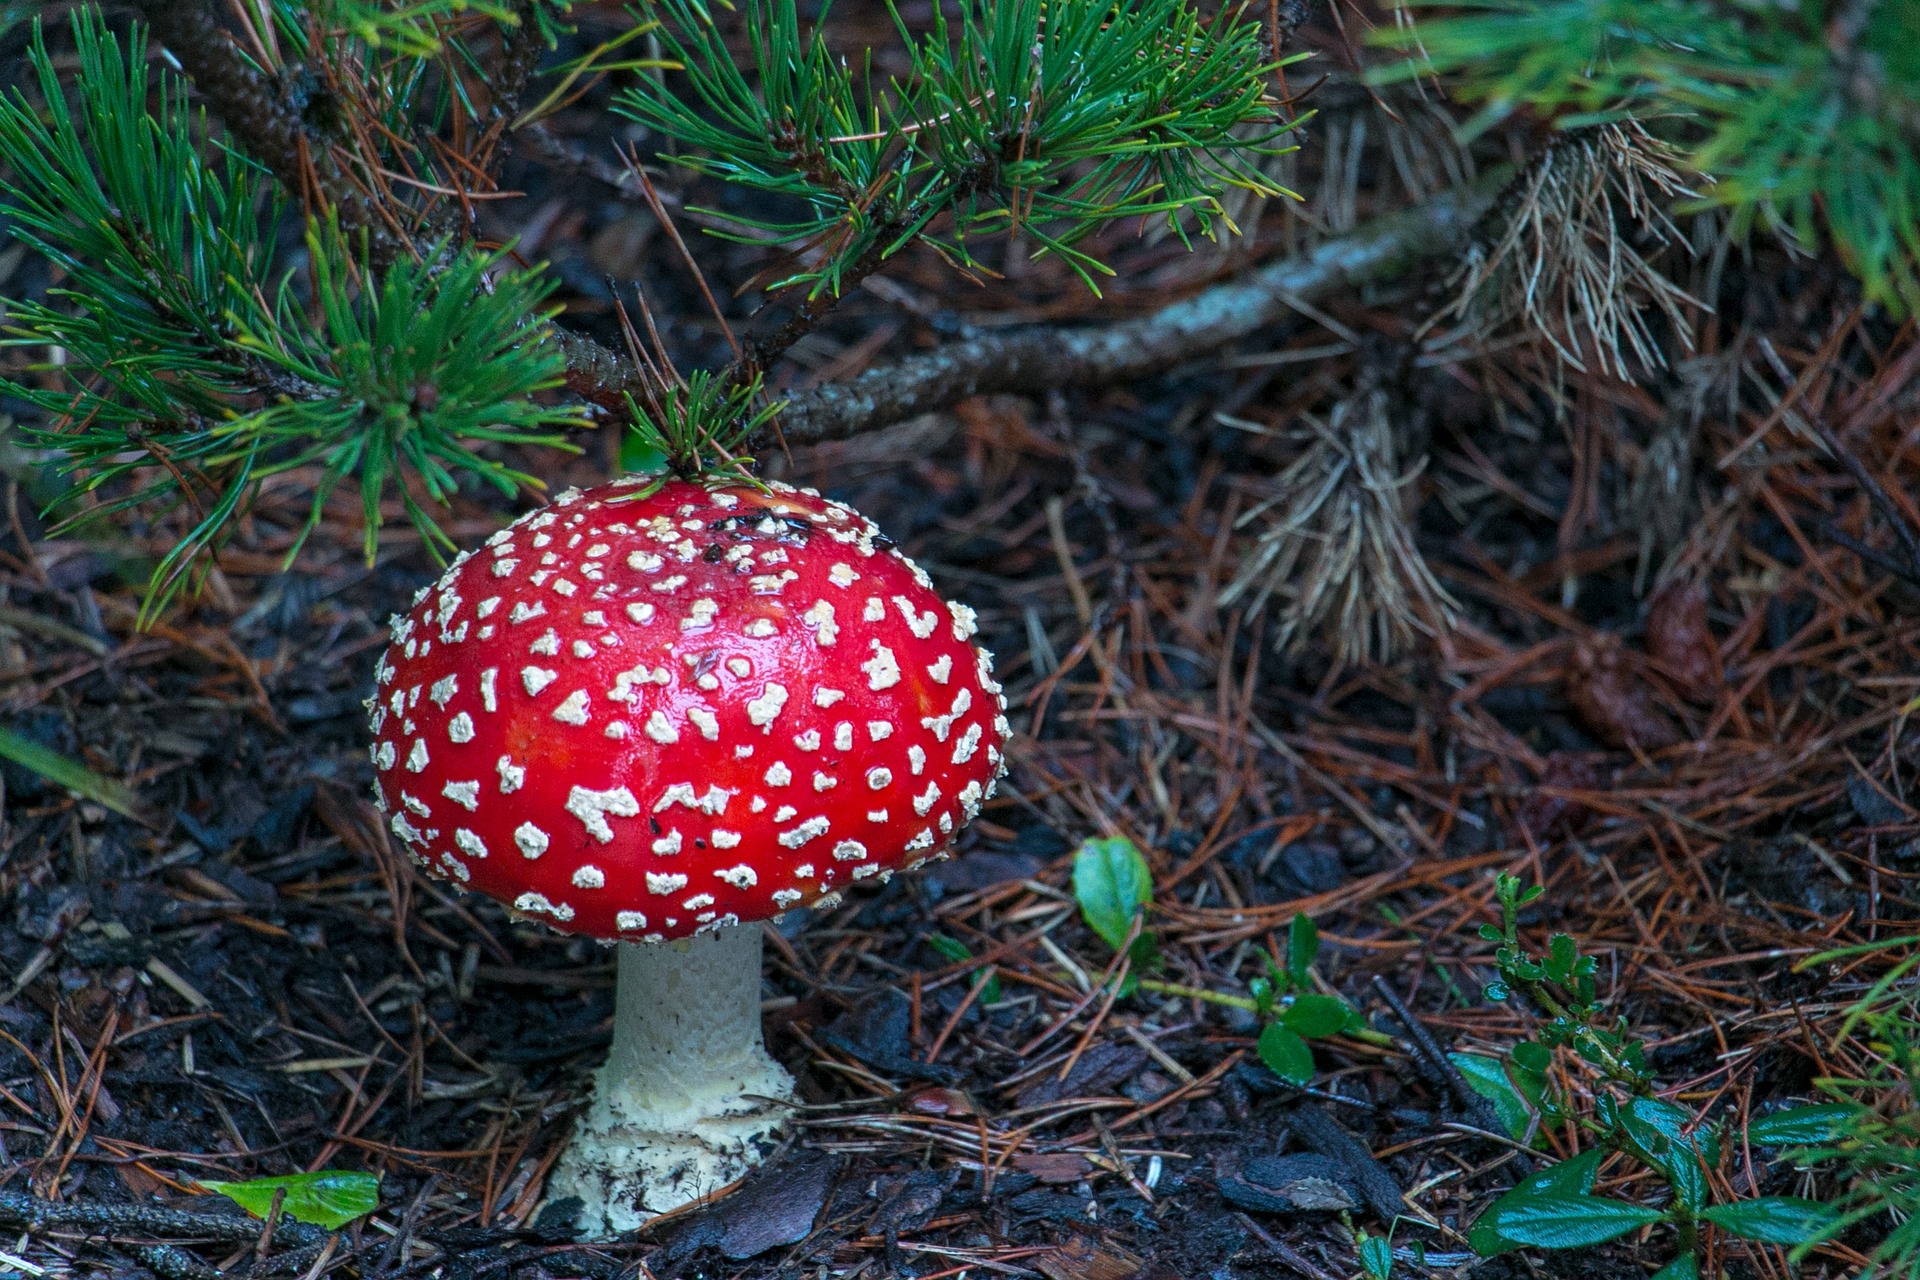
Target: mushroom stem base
[[689, 1099]]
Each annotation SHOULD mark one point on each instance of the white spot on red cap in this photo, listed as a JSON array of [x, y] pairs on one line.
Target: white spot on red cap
[[531, 840], [784, 898], [883, 669], [778, 775], [941, 668], [819, 616], [629, 920], [588, 876], [759, 628], [921, 624], [660, 730], [547, 646], [512, 776], [849, 851], [470, 844], [537, 678], [825, 697], [705, 721], [762, 710], [522, 611], [537, 902], [504, 568], [700, 613], [464, 794], [574, 709], [640, 611], [443, 689], [825, 782], [740, 877], [417, 758], [592, 808], [876, 815], [725, 839], [460, 728], [665, 882], [384, 756], [966, 744], [879, 730], [843, 736], [668, 844], [879, 777], [808, 830], [488, 701], [842, 575], [875, 610], [916, 759], [924, 801]]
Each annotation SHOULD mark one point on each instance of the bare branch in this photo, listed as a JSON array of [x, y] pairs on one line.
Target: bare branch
[[1044, 359]]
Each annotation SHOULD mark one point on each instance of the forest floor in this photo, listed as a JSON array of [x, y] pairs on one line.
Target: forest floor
[[246, 979]]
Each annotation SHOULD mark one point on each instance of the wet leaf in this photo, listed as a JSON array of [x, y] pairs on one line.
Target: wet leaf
[[329, 1198], [1488, 1078], [1112, 884], [1303, 944], [1315, 1016], [1571, 1222], [1286, 1054], [1816, 1123], [1772, 1219], [1571, 1177]]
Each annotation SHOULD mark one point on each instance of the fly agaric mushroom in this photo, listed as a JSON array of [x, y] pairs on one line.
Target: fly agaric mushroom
[[657, 713]]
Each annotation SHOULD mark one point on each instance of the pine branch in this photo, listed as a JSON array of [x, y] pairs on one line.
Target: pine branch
[[265, 116], [1028, 361]]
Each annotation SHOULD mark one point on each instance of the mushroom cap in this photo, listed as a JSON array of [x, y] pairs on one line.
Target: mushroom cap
[[657, 708]]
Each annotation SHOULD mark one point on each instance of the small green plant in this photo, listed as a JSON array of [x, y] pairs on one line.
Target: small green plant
[[327, 1198], [1867, 1136], [1114, 887], [1556, 1208]]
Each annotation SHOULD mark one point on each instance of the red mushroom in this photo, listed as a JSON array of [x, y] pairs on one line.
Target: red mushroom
[[658, 713]]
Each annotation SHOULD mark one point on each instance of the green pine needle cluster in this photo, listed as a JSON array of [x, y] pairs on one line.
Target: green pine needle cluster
[[200, 367], [1054, 119], [1804, 115]]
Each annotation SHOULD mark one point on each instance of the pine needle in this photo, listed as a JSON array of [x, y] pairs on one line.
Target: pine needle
[[1338, 557], [1569, 266]]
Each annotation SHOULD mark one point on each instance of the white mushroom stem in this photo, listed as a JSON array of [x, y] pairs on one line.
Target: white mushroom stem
[[680, 1109]]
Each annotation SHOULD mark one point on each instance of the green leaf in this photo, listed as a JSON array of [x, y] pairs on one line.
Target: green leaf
[[1816, 1123], [956, 950], [1571, 1177], [1531, 1056], [1303, 944], [1570, 1222], [1676, 1124], [1488, 1078], [1316, 1016], [1286, 1054], [1681, 1268], [1112, 884], [1376, 1257], [329, 1198], [71, 774], [1772, 1219]]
